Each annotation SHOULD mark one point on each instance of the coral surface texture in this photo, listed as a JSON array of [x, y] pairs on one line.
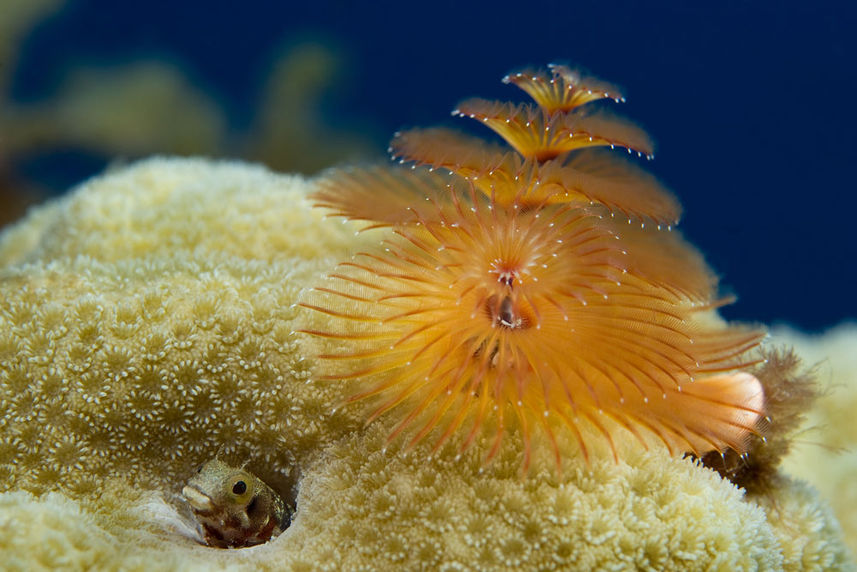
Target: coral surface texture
[[149, 323]]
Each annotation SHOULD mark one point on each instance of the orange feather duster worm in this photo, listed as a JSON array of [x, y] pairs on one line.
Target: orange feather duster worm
[[540, 287]]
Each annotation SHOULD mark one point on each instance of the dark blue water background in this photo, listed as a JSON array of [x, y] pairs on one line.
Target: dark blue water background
[[750, 103]]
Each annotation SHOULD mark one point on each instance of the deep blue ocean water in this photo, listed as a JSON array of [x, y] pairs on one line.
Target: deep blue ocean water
[[750, 103]]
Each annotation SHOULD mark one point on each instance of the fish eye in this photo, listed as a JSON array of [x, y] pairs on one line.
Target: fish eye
[[239, 488]]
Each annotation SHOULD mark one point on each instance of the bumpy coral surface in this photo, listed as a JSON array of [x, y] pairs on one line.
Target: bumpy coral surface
[[147, 324], [825, 452]]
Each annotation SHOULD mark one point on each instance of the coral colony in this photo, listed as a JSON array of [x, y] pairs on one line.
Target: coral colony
[[540, 289]]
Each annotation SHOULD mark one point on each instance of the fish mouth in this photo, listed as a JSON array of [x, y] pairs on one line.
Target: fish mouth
[[197, 499]]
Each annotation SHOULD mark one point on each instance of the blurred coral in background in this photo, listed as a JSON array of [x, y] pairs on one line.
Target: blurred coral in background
[[18, 18], [116, 111]]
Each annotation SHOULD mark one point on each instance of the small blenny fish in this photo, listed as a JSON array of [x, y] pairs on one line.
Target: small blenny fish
[[233, 507]]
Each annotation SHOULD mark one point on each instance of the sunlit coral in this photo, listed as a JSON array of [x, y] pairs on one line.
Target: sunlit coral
[[824, 451], [138, 330], [146, 327], [507, 293]]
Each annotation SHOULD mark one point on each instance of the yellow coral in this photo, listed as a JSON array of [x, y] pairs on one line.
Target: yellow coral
[[825, 453], [92, 112], [147, 324]]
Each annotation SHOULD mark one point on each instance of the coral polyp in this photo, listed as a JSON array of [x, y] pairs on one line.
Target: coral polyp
[[506, 292]]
